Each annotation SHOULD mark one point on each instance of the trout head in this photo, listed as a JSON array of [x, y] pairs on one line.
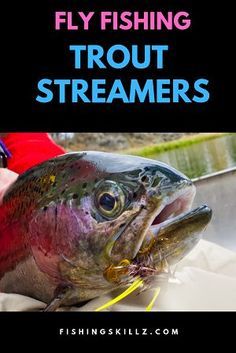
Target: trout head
[[99, 220]]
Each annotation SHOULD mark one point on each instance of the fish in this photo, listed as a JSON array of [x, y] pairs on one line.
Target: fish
[[83, 224]]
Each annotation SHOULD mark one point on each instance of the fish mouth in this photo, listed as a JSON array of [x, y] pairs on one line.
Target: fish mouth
[[168, 233], [175, 228], [178, 204], [165, 228]]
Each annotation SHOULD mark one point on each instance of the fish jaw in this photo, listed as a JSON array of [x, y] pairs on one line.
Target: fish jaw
[[159, 203], [176, 237], [165, 243]]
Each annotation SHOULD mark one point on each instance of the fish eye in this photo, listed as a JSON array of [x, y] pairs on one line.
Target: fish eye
[[110, 199], [107, 201]]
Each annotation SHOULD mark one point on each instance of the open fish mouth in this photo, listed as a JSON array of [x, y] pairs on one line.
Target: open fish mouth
[[176, 228], [166, 229], [176, 207], [179, 203]]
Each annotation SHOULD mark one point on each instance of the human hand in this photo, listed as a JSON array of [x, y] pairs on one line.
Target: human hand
[[7, 177]]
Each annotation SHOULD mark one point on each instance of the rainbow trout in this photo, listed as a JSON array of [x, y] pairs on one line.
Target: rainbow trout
[[83, 224]]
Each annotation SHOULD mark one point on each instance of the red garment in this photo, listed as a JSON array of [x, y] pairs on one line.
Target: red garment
[[29, 149]]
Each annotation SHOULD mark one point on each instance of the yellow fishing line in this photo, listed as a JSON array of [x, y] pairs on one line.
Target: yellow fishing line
[[121, 296], [150, 305]]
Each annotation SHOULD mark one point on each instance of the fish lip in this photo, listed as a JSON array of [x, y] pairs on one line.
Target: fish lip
[[172, 202], [201, 215], [177, 236], [185, 193], [180, 202], [158, 200], [203, 210]]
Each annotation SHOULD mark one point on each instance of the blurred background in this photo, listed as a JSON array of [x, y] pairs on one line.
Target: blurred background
[[208, 159], [193, 154]]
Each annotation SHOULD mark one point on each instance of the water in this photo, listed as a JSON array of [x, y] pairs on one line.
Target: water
[[202, 158]]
